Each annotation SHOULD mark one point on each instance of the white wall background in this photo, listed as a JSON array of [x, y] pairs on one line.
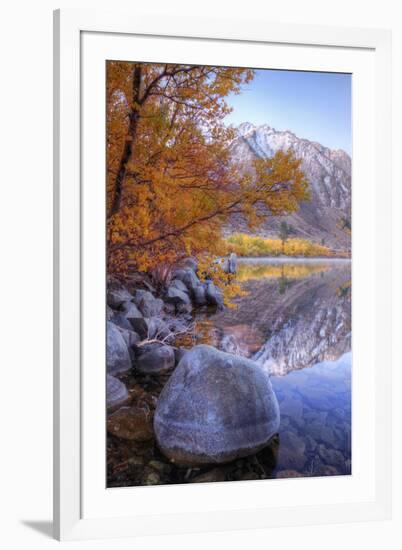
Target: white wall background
[[26, 259]]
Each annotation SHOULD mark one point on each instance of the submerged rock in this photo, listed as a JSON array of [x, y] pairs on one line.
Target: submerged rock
[[216, 474], [292, 451], [216, 407], [116, 392], [134, 423], [117, 354]]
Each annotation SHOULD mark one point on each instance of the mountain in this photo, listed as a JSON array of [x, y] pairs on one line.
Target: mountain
[[328, 172]]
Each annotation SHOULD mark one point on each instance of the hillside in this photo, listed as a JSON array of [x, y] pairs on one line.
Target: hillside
[[322, 219]]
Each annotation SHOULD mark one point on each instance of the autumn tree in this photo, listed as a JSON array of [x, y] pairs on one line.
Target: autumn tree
[[171, 181]]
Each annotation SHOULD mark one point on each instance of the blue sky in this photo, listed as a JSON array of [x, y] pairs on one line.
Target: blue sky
[[313, 105]]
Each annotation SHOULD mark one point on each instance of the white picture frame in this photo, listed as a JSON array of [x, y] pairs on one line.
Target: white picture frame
[[83, 507]]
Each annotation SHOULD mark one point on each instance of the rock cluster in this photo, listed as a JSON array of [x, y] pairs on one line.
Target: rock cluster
[[210, 407]]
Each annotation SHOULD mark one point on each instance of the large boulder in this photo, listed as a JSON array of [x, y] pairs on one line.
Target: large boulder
[[117, 354], [116, 392], [216, 407], [154, 358]]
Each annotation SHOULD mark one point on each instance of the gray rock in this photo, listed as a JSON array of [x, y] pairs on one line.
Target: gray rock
[[213, 295], [199, 296], [130, 337], [176, 283], [117, 354], [140, 326], [109, 313], [188, 277], [179, 353], [117, 296], [184, 309], [191, 263], [154, 358], [176, 296], [216, 407], [116, 392], [191, 281], [179, 273], [216, 474], [229, 264], [232, 263], [149, 328], [148, 304], [120, 320], [130, 311], [169, 308]]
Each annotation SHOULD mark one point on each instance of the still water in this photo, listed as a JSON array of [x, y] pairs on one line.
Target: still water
[[295, 320]]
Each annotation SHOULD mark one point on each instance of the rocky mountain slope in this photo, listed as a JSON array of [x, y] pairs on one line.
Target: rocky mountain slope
[[328, 172]]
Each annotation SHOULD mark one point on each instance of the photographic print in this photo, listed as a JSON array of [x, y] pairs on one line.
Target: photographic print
[[228, 249]]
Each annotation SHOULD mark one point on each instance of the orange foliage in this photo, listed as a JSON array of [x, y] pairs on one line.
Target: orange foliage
[[171, 182]]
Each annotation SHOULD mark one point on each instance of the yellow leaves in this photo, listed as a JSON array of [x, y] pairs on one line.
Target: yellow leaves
[[181, 186], [248, 245]]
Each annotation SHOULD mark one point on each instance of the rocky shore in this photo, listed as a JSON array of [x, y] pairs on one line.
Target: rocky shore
[[179, 412], [191, 408]]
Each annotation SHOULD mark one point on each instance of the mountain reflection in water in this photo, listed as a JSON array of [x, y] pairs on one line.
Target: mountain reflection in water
[[295, 320]]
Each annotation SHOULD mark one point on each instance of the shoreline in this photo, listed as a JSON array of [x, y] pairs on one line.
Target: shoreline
[[291, 259]]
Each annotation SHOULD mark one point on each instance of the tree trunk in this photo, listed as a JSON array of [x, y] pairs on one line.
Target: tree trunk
[[130, 141]]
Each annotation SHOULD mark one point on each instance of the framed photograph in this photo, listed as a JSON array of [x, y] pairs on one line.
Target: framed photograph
[[222, 275]]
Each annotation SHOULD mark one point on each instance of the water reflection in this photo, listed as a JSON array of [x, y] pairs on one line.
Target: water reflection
[[293, 315], [295, 320]]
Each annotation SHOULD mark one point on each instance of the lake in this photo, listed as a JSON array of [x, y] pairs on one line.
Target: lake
[[295, 320]]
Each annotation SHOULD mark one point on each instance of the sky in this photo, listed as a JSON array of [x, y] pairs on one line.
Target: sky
[[312, 105]]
